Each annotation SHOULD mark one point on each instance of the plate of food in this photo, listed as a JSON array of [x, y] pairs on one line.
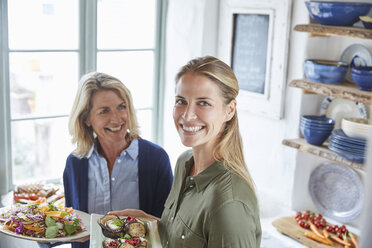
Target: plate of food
[[337, 109], [337, 191], [44, 222], [112, 231]]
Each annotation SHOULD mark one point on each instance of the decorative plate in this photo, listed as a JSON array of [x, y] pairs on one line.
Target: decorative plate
[[336, 191], [356, 55], [96, 236], [336, 109]]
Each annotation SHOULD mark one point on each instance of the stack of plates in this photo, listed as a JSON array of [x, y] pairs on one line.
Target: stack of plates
[[350, 148]]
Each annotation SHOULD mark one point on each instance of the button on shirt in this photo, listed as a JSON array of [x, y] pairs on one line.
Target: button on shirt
[[215, 208], [119, 191]]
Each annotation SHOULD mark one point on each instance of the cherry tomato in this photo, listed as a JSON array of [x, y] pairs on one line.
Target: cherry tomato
[[329, 229], [307, 226], [336, 228]]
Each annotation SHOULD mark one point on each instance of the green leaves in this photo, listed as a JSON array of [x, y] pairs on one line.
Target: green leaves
[[52, 228], [71, 228], [51, 232], [117, 222]]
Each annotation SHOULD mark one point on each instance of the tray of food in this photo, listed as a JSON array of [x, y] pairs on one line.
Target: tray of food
[[112, 231], [44, 221], [314, 231]]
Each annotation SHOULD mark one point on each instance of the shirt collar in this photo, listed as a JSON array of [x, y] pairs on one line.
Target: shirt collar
[[131, 150], [206, 176]]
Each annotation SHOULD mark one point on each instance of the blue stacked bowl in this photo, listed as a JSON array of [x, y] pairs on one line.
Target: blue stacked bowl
[[337, 13], [362, 76], [316, 129]]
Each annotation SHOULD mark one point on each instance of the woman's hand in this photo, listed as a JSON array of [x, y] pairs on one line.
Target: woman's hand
[[134, 213]]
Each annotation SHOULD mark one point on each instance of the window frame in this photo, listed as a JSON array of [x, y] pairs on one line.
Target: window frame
[[87, 61]]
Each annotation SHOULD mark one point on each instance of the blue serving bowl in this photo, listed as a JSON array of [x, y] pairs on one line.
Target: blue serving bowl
[[325, 71], [315, 137], [337, 13], [362, 76]]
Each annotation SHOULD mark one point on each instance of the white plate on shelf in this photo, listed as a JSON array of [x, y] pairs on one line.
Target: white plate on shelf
[[84, 217], [356, 55], [96, 236], [337, 109], [336, 191]]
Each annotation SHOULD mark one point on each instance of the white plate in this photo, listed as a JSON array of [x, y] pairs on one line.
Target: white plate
[[337, 191], [337, 109], [96, 236], [356, 55], [84, 217]]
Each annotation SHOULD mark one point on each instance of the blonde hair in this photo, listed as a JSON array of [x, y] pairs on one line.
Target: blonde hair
[[82, 135], [229, 149]]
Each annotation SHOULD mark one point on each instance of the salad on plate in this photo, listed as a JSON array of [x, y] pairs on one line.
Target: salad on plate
[[40, 219]]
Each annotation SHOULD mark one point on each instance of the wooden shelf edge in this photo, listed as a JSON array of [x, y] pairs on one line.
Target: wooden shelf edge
[[320, 151], [346, 90], [322, 30]]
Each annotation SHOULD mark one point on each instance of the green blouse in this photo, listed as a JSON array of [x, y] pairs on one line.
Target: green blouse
[[215, 208]]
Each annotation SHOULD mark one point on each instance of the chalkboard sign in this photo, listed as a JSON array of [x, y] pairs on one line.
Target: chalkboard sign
[[249, 50]]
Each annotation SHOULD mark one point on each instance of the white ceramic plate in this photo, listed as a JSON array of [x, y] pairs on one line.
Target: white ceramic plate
[[84, 217], [337, 109], [337, 191], [96, 236], [356, 55]]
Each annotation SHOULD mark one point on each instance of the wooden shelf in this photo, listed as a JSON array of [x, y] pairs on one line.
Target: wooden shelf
[[322, 30], [320, 151], [346, 90]]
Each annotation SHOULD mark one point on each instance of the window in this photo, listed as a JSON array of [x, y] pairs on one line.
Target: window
[[47, 45]]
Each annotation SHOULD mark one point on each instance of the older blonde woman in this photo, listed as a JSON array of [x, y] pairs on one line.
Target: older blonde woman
[[112, 167]]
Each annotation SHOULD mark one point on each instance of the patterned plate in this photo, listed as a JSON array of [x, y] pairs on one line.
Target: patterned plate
[[336, 191], [356, 55], [337, 109]]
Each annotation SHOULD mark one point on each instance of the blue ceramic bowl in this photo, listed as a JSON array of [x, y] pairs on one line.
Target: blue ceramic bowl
[[337, 13], [317, 119], [367, 22], [325, 71], [362, 76], [315, 137], [317, 128]]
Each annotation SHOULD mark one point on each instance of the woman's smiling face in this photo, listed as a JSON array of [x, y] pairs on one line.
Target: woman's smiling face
[[199, 112], [108, 117]]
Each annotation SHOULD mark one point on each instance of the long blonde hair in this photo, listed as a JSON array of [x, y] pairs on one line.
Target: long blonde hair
[[229, 149], [82, 135]]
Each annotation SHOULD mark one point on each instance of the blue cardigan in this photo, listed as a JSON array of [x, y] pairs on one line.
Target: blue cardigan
[[154, 174]]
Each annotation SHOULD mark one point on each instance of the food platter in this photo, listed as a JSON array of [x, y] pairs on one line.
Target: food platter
[[84, 217], [336, 191], [337, 109], [97, 237]]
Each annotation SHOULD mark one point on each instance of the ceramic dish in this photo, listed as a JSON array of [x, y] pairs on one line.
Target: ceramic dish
[[84, 217], [96, 236], [336, 191], [337, 109], [356, 55]]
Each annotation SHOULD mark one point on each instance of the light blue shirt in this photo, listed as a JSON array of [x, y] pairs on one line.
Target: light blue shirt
[[121, 190]]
